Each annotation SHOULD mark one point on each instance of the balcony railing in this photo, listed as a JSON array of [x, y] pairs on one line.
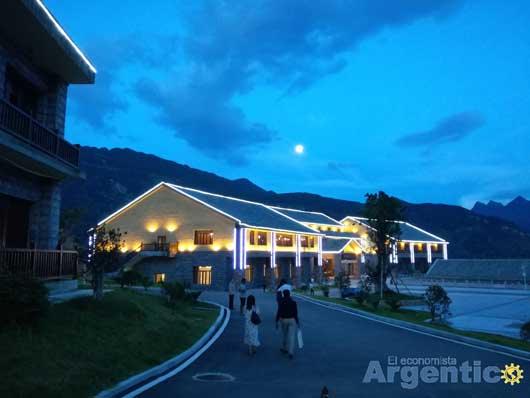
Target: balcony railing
[[154, 247], [42, 264], [23, 126]]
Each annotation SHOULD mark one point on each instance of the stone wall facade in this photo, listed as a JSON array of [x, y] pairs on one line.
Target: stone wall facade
[[180, 268], [45, 196]]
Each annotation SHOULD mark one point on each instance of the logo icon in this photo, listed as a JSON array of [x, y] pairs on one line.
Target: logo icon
[[512, 374]]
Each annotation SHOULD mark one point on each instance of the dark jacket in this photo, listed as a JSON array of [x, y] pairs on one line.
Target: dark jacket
[[287, 308]]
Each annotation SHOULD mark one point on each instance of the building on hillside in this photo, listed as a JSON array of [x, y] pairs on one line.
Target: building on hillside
[[203, 239], [38, 60], [415, 248], [200, 238]]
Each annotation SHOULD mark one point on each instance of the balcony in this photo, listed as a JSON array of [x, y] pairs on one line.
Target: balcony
[[154, 247], [21, 125], [42, 264]]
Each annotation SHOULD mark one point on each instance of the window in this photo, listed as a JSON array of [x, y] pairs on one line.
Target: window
[[258, 238], [307, 241], [159, 278], [284, 240], [202, 275], [248, 274], [203, 237]]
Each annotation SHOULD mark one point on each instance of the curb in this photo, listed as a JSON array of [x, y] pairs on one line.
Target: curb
[[130, 386], [501, 349]]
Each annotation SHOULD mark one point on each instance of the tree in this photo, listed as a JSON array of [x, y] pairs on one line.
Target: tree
[[438, 301], [106, 254], [382, 212]]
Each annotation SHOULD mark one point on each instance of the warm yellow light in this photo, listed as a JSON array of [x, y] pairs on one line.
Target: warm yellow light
[[355, 230], [358, 250], [364, 236], [230, 246], [171, 227], [402, 245], [191, 248], [152, 227], [123, 249], [420, 246], [138, 249], [216, 248]]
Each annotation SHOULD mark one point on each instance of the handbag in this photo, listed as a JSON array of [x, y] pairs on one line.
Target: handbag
[[300, 339], [254, 318]]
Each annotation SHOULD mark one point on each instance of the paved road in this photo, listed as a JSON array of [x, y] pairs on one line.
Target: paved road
[[338, 349]]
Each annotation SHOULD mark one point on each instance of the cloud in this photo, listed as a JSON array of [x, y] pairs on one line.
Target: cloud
[[95, 104], [230, 47], [452, 128]]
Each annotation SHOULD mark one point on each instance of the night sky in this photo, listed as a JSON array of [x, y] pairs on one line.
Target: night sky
[[427, 100]]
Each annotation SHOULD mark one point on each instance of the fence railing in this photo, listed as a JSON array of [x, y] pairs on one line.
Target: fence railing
[[156, 247], [25, 127], [42, 264]]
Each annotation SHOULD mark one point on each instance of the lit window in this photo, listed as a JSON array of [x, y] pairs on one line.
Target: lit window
[[284, 240], [202, 275], [203, 237], [159, 278], [258, 238], [307, 241]]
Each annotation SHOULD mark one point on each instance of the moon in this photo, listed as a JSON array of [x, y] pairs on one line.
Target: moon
[[299, 149]]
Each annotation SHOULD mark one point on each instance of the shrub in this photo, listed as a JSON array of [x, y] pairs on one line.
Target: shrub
[[325, 290], [361, 297], [131, 277], [525, 331], [174, 292], [393, 302], [193, 296], [23, 299], [373, 300], [438, 301], [146, 282]]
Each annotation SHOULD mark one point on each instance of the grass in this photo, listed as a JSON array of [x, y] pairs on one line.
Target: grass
[[84, 346], [419, 317]]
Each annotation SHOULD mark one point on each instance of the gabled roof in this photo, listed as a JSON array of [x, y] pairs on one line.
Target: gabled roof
[[331, 245], [246, 213], [345, 235], [308, 217], [409, 232]]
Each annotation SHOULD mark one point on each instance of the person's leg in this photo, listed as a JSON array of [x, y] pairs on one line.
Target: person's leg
[[242, 304], [231, 302], [284, 326]]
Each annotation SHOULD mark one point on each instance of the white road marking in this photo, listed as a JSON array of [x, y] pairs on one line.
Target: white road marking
[[185, 364], [412, 330]]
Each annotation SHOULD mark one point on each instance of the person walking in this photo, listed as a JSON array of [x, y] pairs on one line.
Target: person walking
[[242, 295], [252, 320], [287, 318], [231, 293]]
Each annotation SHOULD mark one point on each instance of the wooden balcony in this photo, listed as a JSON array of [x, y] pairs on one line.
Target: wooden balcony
[[42, 264], [23, 126]]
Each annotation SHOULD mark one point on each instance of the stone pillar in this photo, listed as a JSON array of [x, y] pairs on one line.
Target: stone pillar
[[51, 108], [445, 251], [305, 274], [44, 218], [429, 253], [411, 246]]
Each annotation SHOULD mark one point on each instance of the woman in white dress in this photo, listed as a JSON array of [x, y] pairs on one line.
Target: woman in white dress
[[251, 328]]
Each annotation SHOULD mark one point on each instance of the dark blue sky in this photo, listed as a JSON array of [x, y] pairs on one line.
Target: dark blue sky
[[425, 99]]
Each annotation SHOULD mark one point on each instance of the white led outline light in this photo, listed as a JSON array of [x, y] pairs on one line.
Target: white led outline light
[[65, 35], [338, 223]]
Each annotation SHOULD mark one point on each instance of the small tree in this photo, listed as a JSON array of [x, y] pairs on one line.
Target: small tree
[[438, 301], [106, 255], [382, 212], [342, 280]]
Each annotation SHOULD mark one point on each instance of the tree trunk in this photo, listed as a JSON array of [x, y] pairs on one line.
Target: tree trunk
[[98, 284]]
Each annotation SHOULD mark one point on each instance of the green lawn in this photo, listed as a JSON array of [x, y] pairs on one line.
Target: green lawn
[[419, 318], [84, 346]]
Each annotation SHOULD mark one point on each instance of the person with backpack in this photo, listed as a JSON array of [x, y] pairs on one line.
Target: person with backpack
[[252, 320]]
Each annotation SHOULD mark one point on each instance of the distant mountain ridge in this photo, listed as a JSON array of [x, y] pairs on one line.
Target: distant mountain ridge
[[116, 176], [516, 211]]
